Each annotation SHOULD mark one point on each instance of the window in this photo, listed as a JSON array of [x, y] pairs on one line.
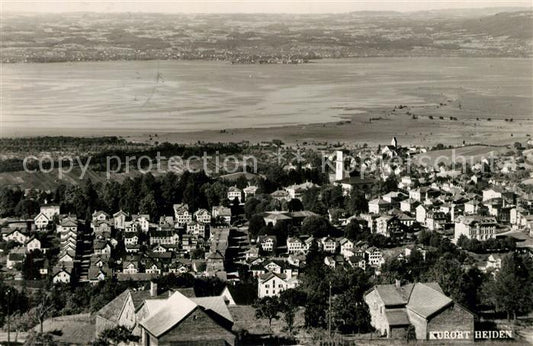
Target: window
[[266, 292]]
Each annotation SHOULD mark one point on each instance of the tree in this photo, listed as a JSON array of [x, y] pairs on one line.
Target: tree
[[295, 205], [332, 196], [267, 308], [316, 226], [197, 254], [390, 184], [290, 300], [357, 203], [350, 313], [353, 230], [512, 287], [148, 205], [216, 194], [255, 225], [31, 265], [27, 208]]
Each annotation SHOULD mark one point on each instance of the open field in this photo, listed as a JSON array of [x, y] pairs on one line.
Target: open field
[[472, 154], [190, 101]]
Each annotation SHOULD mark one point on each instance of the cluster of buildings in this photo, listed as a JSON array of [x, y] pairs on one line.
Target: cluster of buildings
[[198, 241], [185, 242]]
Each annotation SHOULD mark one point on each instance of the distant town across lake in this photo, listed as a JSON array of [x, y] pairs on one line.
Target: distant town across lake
[[183, 96]]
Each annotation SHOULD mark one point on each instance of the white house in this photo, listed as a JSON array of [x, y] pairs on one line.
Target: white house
[[347, 247], [421, 214], [408, 205], [202, 215], [267, 243], [295, 245], [378, 206], [61, 275], [119, 219], [475, 227], [374, 257], [143, 221], [328, 244], [492, 193], [33, 244], [234, 192], [15, 235], [249, 191], [131, 238], [196, 228], [129, 267], [272, 284], [41, 221], [181, 214]]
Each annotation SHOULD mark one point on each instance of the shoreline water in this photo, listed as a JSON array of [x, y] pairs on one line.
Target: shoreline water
[[437, 100]]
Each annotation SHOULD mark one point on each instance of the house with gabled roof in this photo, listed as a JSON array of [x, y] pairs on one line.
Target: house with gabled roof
[[118, 312], [100, 215], [273, 217], [41, 221], [271, 284], [203, 216], [234, 192], [67, 224], [346, 246], [62, 275], [177, 267], [249, 191], [295, 245], [32, 244], [378, 206], [98, 273], [14, 234], [130, 267], [328, 244], [66, 256], [221, 212], [176, 320], [215, 262], [181, 214], [267, 243], [393, 308], [196, 228], [153, 267], [143, 220], [119, 219]]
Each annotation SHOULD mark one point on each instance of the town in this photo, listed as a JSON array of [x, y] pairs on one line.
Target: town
[[369, 244]]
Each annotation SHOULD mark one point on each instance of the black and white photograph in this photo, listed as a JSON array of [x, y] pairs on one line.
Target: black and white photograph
[[254, 172]]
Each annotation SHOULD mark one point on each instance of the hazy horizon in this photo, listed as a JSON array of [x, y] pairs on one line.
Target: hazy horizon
[[252, 6]]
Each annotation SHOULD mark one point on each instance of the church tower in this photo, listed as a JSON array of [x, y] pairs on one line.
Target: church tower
[[339, 166], [394, 142]]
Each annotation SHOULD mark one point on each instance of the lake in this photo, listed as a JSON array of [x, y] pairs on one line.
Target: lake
[[181, 96]]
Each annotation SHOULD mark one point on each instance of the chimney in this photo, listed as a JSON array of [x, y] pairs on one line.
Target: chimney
[[153, 289], [397, 283]]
